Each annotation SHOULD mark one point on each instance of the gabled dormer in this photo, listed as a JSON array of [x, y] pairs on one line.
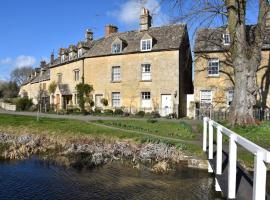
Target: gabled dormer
[[72, 52], [146, 42], [117, 46], [62, 54], [82, 48]]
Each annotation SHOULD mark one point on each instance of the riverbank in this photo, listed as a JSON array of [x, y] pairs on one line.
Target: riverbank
[[87, 152]]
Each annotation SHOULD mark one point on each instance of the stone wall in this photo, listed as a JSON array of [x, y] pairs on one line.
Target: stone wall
[[7, 106]]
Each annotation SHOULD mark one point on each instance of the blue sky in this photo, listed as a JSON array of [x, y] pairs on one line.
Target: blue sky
[[31, 29]]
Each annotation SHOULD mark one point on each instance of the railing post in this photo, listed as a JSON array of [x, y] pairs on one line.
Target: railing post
[[259, 183], [210, 145], [232, 168], [219, 151], [205, 134]]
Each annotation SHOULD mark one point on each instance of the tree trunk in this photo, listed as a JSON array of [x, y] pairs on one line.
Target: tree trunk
[[244, 93]]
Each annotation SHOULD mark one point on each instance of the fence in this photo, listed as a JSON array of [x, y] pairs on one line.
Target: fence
[[219, 115], [261, 156]]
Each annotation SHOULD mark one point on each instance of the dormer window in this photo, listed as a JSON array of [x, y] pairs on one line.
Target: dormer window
[[117, 48], [70, 56], [80, 52], [63, 58], [146, 45], [226, 39]]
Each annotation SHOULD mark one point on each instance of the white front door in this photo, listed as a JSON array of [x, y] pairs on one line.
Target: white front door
[[98, 100], [166, 105]]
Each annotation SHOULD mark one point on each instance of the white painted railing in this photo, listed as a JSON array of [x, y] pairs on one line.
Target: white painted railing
[[261, 156]]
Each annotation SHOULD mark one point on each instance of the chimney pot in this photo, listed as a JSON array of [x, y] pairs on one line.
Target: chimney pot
[[88, 35], [52, 58], [109, 29]]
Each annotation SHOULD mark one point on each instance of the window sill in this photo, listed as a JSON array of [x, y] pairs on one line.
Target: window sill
[[213, 76], [115, 81], [146, 80], [146, 50]]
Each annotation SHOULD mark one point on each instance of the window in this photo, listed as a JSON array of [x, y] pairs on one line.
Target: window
[[116, 99], [44, 86], [146, 100], [116, 73], [146, 45], [146, 72], [77, 75], [63, 58], [230, 95], [213, 67], [80, 52], [226, 39], [206, 98], [116, 48], [59, 78]]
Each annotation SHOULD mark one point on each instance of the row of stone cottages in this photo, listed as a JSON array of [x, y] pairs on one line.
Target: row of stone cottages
[[149, 69]]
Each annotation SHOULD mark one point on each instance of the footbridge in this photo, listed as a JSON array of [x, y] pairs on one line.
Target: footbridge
[[230, 178]]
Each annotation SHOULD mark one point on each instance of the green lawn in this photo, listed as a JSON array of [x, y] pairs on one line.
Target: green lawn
[[175, 130], [140, 131]]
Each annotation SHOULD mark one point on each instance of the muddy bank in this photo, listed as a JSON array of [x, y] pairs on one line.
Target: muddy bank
[[92, 152]]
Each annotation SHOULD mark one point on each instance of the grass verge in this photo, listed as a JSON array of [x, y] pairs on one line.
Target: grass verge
[[66, 127]]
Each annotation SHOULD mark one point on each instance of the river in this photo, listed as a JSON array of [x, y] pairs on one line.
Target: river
[[36, 179]]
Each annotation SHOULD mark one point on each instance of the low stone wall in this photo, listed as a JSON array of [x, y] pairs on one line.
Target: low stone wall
[[7, 106]]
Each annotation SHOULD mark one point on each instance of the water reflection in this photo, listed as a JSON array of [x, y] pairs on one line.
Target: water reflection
[[34, 179]]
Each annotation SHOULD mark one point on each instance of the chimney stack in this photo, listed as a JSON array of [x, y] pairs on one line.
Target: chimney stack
[[52, 58], [88, 35], [268, 20], [42, 64], [145, 19], [109, 29]]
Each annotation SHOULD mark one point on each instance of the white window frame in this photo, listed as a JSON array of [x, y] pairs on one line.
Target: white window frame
[[59, 80], [226, 39], [76, 75], [146, 75], [147, 46], [116, 75], [62, 58], [228, 97], [146, 96], [209, 68], [116, 99], [117, 49], [208, 102], [80, 53]]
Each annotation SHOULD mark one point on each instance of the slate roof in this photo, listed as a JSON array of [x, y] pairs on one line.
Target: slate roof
[[211, 39], [45, 75], [64, 89], [165, 38]]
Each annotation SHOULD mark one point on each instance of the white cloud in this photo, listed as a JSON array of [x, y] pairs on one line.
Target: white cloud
[[8, 64], [129, 12], [22, 61]]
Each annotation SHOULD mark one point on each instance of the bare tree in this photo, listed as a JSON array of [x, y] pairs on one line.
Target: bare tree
[[21, 74], [244, 52]]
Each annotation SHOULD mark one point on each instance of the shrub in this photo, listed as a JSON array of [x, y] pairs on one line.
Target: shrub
[[118, 111], [155, 114], [97, 110], [24, 104], [104, 102], [140, 113], [108, 111]]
